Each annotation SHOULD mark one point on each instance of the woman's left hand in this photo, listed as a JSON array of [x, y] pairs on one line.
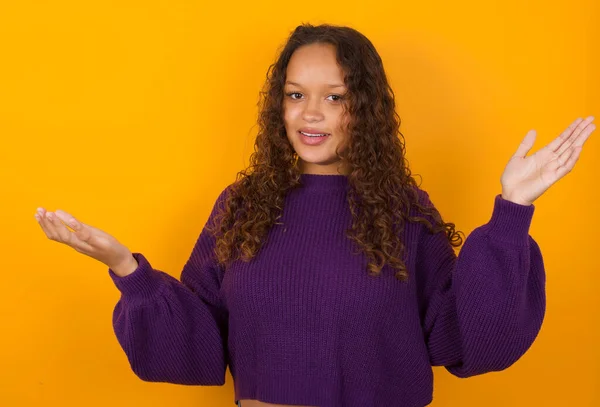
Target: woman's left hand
[[526, 178]]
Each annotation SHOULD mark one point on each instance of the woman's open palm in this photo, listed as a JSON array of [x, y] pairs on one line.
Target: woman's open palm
[[83, 238], [525, 178]]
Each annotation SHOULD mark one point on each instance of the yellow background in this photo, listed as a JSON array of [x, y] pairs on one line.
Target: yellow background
[[134, 115]]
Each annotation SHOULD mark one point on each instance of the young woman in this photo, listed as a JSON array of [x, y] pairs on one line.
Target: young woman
[[324, 276]]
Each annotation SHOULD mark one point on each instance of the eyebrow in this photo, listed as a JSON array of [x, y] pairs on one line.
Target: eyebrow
[[328, 85]]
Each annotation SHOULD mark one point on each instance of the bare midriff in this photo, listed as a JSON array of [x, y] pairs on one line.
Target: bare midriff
[[258, 403]]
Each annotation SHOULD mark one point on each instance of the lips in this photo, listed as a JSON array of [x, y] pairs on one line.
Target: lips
[[313, 139]]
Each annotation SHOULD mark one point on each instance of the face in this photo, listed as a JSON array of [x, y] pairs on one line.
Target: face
[[313, 104]]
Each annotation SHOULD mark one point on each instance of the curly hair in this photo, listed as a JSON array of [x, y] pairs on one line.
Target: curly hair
[[381, 189]]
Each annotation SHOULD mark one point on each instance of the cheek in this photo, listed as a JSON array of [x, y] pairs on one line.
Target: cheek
[[342, 125], [290, 113], [288, 122]]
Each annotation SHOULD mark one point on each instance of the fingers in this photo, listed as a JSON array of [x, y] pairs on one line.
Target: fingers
[[44, 221], [68, 219], [525, 145], [584, 135], [556, 143], [51, 224], [63, 233], [584, 128], [568, 161], [53, 227]]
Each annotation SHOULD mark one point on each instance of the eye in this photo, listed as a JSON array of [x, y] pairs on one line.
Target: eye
[[337, 97]]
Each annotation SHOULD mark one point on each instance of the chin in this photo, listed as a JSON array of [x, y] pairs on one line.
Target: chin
[[319, 159], [323, 161]]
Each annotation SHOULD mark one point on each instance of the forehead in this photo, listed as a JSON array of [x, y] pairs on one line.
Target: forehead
[[314, 65]]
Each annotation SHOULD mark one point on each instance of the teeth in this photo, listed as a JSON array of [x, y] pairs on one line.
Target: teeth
[[314, 135]]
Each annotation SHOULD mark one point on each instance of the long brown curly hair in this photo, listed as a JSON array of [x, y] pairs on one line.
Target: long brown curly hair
[[382, 190]]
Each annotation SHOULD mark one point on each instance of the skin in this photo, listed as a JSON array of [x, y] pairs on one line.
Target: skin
[[311, 102], [526, 178], [315, 104]]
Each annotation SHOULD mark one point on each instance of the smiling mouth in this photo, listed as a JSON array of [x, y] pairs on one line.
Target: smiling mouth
[[315, 140], [314, 135]]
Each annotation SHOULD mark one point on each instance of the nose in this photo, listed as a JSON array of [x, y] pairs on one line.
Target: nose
[[312, 111]]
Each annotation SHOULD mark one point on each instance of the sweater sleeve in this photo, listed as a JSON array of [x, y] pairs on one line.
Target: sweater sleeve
[[482, 309], [174, 331]]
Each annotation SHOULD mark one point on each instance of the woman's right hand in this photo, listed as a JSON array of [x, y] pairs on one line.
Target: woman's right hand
[[88, 240]]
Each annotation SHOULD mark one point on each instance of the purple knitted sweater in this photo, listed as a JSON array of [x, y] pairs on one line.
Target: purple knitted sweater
[[304, 323]]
